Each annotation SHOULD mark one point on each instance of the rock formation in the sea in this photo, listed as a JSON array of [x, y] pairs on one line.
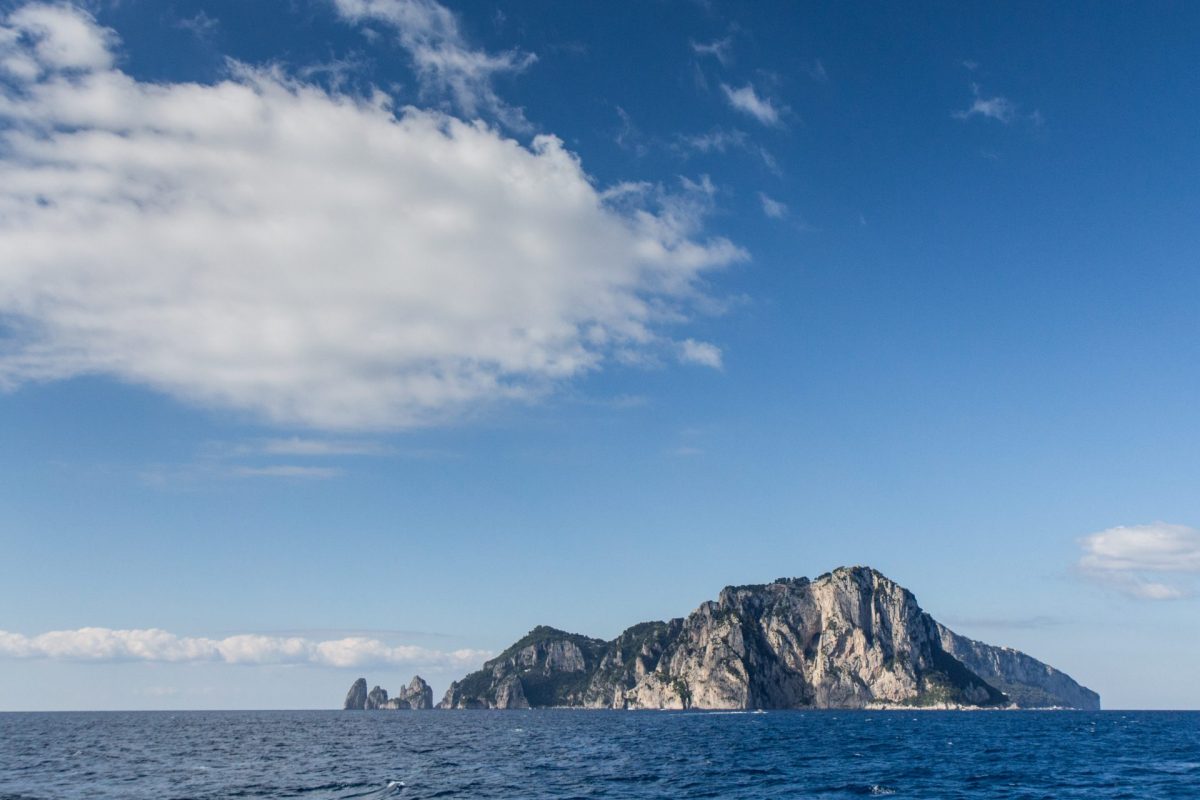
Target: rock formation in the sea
[[1028, 682], [849, 639], [417, 695], [356, 698], [376, 698]]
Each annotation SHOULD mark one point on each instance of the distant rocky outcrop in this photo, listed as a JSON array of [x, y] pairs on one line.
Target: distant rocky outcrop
[[356, 698], [417, 695], [376, 698], [848, 639], [1028, 682]]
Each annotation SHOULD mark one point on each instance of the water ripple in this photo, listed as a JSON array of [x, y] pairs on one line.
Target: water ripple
[[621, 755]]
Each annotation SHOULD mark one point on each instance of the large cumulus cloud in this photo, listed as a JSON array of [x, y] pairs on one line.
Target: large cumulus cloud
[[262, 244]]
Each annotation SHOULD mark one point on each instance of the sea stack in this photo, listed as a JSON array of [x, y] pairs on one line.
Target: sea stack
[[356, 698], [416, 696]]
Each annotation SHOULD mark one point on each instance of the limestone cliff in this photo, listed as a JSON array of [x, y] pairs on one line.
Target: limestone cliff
[[1028, 682], [849, 639]]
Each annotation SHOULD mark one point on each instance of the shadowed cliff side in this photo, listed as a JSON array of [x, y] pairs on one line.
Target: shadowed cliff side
[[1028, 682]]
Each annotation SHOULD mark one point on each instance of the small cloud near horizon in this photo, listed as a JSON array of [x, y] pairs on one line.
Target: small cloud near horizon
[[286, 471], [1149, 562]]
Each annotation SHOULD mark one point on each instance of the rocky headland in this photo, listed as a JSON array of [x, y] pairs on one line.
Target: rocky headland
[[851, 638]]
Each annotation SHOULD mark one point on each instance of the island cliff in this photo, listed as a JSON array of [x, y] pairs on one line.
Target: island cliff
[[848, 639], [1028, 682]]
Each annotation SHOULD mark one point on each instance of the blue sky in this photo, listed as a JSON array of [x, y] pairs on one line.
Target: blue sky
[[360, 337]]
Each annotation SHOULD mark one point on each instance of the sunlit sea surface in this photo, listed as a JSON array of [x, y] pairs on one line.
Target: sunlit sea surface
[[609, 754]]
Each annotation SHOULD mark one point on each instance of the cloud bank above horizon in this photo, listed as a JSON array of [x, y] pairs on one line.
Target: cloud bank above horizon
[[1144, 561], [265, 245], [155, 645]]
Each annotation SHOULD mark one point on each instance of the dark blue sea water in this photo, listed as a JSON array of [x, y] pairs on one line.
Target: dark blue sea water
[[600, 754]]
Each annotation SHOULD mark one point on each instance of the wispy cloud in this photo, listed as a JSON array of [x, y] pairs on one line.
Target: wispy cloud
[[723, 140], [286, 471], [445, 62], [281, 458], [201, 25], [748, 101], [716, 140], [517, 273], [152, 644], [816, 71], [702, 353], [300, 446], [997, 108], [720, 49], [1145, 561], [772, 208], [629, 136]]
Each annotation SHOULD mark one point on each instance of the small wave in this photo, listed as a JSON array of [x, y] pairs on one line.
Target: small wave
[[1175, 766], [392, 789], [881, 790]]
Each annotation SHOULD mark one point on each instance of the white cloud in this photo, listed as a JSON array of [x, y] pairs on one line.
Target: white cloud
[[298, 446], [772, 208], [748, 101], [723, 140], [702, 353], [266, 246], [717, 140], [1127, 557], [286, 471], [201, 25], [61, 39], [998, 108], [721, 49], [445, 63], [151, 644]]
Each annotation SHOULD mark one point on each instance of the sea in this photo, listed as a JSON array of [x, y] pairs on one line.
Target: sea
[[600, 754]]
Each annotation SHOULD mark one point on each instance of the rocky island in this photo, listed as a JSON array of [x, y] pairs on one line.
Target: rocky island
[[417, 696], [848, 639]]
